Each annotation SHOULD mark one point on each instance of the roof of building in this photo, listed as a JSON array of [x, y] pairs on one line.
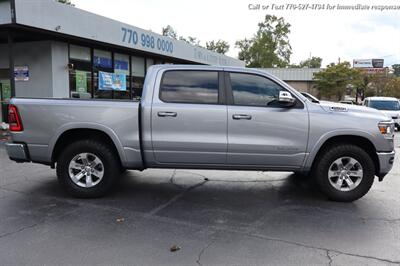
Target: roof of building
[[293, 74], [54, 17]]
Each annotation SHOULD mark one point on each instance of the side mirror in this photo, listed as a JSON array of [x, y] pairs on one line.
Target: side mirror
[[286, 98]]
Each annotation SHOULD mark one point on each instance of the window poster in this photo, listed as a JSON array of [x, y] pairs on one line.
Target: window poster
[[81, 81], [6, 90], [112, 81]]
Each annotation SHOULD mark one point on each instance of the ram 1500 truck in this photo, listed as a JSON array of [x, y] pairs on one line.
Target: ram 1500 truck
[[204, 117]]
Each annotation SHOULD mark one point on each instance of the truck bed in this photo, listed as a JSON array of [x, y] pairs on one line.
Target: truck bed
[[45, 120]]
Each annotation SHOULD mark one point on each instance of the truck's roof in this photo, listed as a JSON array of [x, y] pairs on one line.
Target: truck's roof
[[215, 68]]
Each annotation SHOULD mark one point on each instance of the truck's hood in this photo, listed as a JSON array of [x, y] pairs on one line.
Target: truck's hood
[[360, 110], [391, 114]]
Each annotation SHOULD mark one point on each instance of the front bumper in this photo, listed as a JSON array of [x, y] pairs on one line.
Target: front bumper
[[386, 160], [17, 152]]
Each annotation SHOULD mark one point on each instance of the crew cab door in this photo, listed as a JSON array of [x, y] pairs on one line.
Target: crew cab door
[[260, 131], [189, 118]]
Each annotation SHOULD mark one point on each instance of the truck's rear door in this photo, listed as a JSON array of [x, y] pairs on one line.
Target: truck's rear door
[[189, 117]]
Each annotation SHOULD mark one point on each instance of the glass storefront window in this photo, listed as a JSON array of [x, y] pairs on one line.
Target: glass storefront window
[[158, 62], [102, 59], [121, 68], [5, 94], [80, 84], [79, 53], [80, 77], [121, 63], [115, 75], [138, 66], [103, 70], [149, 62], [138, 73]]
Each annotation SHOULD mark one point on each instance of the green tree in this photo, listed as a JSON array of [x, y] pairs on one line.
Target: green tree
[[392, 88], [67, 2], [190, 40], [364, 87], [220, 46], [269, 47], [313, 62], [335, 79], [169, 32], [396, 68]]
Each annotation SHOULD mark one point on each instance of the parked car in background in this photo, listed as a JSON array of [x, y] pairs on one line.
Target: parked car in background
[[204, 117], [390, 106]]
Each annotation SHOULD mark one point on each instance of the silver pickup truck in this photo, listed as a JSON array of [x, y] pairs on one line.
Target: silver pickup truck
[[204, 117]]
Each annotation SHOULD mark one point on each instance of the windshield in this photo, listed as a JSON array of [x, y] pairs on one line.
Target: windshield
[[385, 105]]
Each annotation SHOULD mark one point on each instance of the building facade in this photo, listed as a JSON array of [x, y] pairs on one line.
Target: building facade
[[49, 49], [302, 79]]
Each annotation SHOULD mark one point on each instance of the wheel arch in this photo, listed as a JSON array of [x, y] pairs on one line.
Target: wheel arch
[[78, 133], [361, 141]]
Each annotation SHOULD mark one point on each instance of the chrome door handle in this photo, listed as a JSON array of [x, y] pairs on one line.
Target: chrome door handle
[[167, 114], [241, 117]]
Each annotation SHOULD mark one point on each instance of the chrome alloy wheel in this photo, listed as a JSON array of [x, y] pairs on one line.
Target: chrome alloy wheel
[[345, 174], [86, 170]]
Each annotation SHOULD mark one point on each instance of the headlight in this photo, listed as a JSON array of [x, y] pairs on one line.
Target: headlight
[[386, 129]]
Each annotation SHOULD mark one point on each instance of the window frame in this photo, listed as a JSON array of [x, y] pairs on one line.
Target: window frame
[[93, 68], [229, 91], [221, 86]]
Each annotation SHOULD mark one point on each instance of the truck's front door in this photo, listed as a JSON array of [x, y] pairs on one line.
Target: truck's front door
[[189, 118], [260, 131]]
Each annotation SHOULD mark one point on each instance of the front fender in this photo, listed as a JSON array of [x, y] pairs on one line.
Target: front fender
[[315, 148]]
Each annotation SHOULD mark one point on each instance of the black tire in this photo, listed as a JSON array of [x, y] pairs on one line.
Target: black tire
[[111, 168], [325, 160]]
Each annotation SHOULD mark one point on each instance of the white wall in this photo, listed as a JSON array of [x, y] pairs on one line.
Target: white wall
[[37, 57], [47, 62], [48, 74]]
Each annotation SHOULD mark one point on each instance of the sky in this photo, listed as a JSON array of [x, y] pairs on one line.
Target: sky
[[330, 34]]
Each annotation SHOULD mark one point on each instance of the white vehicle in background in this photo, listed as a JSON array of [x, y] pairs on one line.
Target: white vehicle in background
[[390, 106]]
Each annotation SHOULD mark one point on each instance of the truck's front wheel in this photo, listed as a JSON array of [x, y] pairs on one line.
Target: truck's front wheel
[[87, 168], [344, 172]]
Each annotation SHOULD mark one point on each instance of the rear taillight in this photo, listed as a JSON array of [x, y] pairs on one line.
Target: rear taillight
[[14, 119]]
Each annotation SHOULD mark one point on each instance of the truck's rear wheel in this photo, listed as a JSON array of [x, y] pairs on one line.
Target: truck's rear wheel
[[344, 172], [87, 168]]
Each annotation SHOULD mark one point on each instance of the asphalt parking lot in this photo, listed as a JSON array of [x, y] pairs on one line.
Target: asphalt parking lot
[[211, 217]]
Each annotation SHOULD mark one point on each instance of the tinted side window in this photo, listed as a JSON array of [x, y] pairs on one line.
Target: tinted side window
[[254, 90], [190, 87]]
